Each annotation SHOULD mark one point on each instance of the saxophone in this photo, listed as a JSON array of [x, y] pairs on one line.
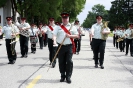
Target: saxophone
[[104, 26]]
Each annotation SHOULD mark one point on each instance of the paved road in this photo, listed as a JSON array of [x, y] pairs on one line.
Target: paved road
[[32, 72]]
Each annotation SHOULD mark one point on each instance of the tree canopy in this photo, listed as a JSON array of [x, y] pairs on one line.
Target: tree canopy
[[41, 10]]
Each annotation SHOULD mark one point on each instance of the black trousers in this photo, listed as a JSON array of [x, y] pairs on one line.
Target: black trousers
[[33, 47], [122, 45], [77, 44], [52, 50], [65, 61], [41, 41], [114, 40], [117, 42], [128, 42], [99, 47], [45, 41], [24, 45], [10, 48]]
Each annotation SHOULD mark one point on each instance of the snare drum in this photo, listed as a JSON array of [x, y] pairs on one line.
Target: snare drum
[[33, 39]]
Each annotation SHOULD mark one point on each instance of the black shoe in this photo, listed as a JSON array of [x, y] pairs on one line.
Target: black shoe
[[13, 62], [25, 55], [41, 48], [22, 56], [126, 54], [34, 52], [31, 51], [96, 66], [68, 80], [102, 67], [0, 44], [77, 53], [9, 62], [53, 65], [62, 79]]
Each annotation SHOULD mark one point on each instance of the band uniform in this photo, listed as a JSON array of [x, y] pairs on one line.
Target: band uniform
[[10, 31]]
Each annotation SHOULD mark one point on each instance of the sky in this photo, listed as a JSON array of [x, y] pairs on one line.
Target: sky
[[88, 7]]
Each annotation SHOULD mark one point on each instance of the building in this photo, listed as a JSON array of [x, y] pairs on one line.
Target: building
[[6, 11]]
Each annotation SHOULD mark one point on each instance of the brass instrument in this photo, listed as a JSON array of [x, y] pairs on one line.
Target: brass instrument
[[23, 32], [120, 39], [131, 33], [14, 32], [105, 25], [13, 40]]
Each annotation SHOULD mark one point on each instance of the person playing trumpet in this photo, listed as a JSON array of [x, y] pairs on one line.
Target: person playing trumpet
[[10, 31]]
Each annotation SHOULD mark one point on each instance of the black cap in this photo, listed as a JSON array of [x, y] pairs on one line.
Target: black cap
[[51, 19], [64, 15], [8, 18], [76, 21], [23, 18], [99, 16]]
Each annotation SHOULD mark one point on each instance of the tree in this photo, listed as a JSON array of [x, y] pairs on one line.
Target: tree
[[41, 10], [91, 17]]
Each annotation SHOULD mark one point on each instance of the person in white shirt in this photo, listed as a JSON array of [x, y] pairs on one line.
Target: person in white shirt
[[98, 42], [114, 36], [33, 38], [10, 31], [63, 35], [24, 37], [128, 39], [41, 35], [52, 49]]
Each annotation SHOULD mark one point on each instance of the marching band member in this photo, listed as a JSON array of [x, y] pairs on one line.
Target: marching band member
[[24, 37], [114, 36], [40, 35], [121, 42], [10, 31], [45, 39], [128, 39], [77, 41], [117, 36], [67, 49], [1, 35], [52, 49], [99, 41], [33, 38]]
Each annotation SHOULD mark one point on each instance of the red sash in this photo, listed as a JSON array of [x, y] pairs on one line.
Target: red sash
[[67, 31], [51, 28]]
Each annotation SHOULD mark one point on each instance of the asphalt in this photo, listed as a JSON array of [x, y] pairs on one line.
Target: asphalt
[[32, 72]]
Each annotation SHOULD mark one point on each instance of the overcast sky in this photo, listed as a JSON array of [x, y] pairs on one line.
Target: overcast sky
[[88, 6]]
